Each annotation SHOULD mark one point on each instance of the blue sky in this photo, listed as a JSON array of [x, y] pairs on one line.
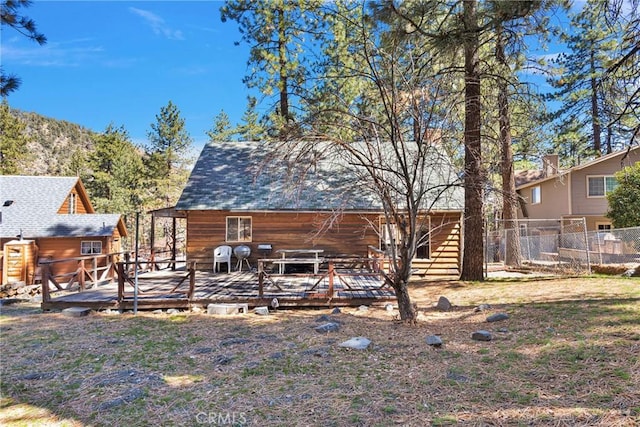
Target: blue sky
[[120, 62]]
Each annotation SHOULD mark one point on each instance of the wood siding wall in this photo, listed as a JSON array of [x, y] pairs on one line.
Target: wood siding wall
[[67, 247], [352, 236], [83, 205], [445, 247]]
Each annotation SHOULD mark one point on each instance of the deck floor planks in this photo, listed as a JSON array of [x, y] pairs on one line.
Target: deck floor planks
[[235, 286]]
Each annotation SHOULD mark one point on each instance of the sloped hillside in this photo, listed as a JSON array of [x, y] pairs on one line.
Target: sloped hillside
[[53, 145]]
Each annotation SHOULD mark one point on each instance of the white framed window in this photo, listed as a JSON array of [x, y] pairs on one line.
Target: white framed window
[[239, 229], [90, 247], [535, 195], [601, 185], [391, 233], [603, 226], [388, 233], [72, 203]]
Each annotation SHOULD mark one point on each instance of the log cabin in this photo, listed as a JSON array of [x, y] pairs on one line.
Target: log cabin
[[233, 198], [44, 217]]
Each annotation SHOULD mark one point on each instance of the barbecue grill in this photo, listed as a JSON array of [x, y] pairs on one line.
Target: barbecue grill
[[242, 253]]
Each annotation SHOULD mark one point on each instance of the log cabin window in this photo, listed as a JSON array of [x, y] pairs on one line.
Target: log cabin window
[[72, 203], [600, 186], [239, 229], [391, 233], [90, 247], [388, 234], [424, 240]]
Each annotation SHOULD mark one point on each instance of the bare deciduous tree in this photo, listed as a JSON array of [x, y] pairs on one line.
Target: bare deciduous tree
[[395, 150]]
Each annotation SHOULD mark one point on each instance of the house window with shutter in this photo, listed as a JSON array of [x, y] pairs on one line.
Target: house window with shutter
[[600, 186], [239, 229]]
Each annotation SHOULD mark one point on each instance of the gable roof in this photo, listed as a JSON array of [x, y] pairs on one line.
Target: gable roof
[[32, 205], [234, 176], [534, 177]]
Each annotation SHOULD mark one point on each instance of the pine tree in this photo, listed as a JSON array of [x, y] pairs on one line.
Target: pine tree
[[276, 31], [221, 130], [10, 16], [581, 121], [251, 129], [115, 175], [13, 142], [167, 156]]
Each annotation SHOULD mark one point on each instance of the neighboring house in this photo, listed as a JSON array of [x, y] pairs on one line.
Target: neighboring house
[[227, 203], [578, 192], [51, 218]]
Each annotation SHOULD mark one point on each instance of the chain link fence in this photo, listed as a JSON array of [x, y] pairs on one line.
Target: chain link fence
[[564, 246]]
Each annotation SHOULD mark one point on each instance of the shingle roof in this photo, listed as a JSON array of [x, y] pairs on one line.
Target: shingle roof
[[529, 178], [225, 177], [35, 201]]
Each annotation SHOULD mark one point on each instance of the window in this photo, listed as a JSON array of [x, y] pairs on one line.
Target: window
[[90, 247], [238, 229], [424, 240], [388, 233], [603, 226], [535, 195], [72, 203], [600, 186]]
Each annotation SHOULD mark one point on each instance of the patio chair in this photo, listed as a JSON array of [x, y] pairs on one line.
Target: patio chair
[[222, 254]]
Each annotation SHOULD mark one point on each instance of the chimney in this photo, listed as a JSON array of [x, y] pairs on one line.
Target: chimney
[[549, 165]]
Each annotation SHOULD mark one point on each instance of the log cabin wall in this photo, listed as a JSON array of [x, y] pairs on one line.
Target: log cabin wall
[[290, 230], [207, 229], [445, 257], [69, 247]]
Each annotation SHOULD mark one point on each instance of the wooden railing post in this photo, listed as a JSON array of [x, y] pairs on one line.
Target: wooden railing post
[[46, 273], [94, 275], [331, 274], [260, 278], [192, 280], [121, 275], [110, 264], [80, 274]]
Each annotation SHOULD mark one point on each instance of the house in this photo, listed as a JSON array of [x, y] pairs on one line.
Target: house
[[578, 192], [44, 217], [233, 198]]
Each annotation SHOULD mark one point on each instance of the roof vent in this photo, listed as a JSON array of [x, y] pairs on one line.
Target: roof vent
[[7, 203]]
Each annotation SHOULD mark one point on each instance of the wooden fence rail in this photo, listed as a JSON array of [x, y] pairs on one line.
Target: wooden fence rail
[[126, 268], [95, 269], [337, 270]]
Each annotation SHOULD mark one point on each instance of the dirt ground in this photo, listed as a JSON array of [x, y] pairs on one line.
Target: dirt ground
[[567, 354]]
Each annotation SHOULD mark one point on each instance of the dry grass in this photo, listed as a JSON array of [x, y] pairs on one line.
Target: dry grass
[[567, 355]]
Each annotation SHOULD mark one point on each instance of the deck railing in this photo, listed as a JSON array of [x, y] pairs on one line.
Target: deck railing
[[126, 277], [337, 270], [89, 269]]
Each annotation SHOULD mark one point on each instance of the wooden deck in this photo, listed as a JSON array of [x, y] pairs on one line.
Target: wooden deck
[[167, 289]]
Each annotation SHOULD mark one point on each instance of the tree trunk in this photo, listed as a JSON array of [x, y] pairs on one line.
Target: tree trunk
[[282, 64], [595, 112], [406, 309], [513, 255], [472, 259]]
